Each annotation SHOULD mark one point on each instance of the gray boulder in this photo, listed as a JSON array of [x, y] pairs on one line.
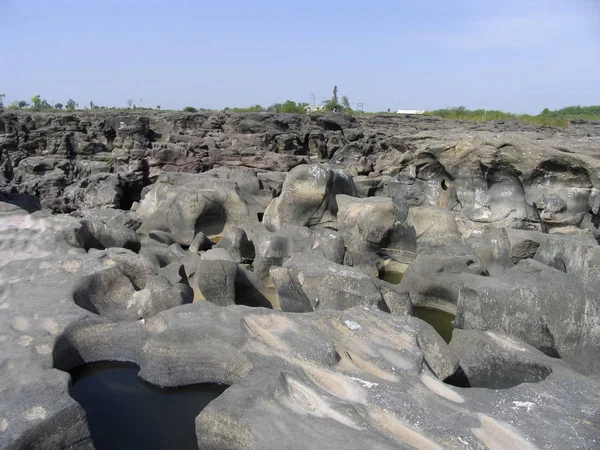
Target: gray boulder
[[367, 226], [100, 235], [495, 360], [441, 257], [128, 291], [236, 242], [580, 260], [186, 205], [214, 281], [308, 198], [226, 283], [273, 249], [545, 307], [200, 242], [308, 283]]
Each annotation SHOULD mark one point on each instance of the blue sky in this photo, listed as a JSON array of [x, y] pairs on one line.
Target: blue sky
[[514, 55]]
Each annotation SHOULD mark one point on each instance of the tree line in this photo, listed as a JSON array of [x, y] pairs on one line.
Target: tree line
[[559, 117], [37, 103], [291, 107]]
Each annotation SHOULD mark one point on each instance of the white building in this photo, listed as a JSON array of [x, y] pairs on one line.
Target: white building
[[410, 111], [314, 108]]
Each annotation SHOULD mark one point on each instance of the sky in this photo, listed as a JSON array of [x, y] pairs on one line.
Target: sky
[[514, 55]]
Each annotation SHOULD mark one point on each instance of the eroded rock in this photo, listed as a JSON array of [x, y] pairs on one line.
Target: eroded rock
[[283, 268]]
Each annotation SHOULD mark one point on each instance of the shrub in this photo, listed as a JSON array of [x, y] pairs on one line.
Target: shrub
[[558, 118]]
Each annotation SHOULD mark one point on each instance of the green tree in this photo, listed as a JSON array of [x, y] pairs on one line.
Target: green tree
[[2, 100], [302, 107], [255, 108], [36, 102], [157, 106], [546, 112], [71, 104], [289, 107], [58, 106], [346, 103], [333, 104], [22, 104], [190, 109]]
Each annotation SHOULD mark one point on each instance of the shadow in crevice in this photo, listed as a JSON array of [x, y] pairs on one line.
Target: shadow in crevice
[[514, 374], [458, 379], [29, 203]]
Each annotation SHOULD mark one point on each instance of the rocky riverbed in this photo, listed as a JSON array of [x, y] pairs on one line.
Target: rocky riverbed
[[252, 250]]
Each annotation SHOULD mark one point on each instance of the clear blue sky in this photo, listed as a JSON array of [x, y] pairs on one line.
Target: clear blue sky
[[514, 55]]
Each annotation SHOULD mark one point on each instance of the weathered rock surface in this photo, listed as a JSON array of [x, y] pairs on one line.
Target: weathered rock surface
[[495, 222], [307, 282], [354, 379], [494, 174], [541, 305], [308, 198]]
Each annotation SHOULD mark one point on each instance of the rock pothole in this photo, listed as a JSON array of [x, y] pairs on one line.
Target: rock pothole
[[111, 294], [125, 412]]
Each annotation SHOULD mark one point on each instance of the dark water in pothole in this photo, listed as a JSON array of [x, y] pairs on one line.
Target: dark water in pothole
[[440, 320], [125, 412], [391, 276]]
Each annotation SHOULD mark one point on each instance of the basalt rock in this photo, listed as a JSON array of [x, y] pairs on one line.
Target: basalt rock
[[185, 205], [541, 305], [307, 282], [496, 222], [308, 198]]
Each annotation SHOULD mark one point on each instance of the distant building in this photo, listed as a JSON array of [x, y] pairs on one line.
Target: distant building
[[410, 111], [314, 108]]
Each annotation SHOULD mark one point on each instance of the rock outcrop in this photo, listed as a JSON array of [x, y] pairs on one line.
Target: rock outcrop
[[247, 249]]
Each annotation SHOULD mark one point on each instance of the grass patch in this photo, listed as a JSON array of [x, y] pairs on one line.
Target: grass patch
[[557, 118]]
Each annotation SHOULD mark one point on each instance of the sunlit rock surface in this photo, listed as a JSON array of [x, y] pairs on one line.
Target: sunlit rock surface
[[268, 281]]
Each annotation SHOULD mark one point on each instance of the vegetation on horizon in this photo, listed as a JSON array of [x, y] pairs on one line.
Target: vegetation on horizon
[[557, 118], [291, 107]]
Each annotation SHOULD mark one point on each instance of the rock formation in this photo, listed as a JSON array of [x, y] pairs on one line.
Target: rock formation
[[247, 249]]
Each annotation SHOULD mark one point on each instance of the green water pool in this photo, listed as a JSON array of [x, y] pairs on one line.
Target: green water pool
[[391, 276], [440, 320]]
